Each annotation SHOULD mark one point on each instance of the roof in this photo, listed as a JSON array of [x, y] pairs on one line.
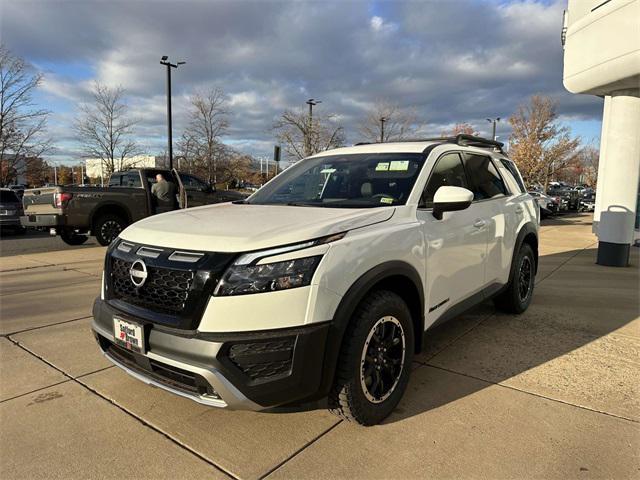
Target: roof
[[418, 145], [388, 147]]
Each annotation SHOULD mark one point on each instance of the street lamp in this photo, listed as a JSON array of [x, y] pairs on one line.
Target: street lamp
[[494, 121], [311, 102], [382, 120], [165, 61]]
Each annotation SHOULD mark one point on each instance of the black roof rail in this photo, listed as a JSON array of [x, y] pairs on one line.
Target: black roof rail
[[460, 139]]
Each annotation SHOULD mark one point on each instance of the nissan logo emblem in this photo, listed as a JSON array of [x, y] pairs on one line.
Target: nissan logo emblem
[[138, 273]]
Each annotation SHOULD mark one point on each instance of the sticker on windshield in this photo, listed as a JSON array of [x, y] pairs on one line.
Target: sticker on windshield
[[386, 200], [382, 167], [399, 166]]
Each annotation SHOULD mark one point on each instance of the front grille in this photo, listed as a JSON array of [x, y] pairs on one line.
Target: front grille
[[261, 360], [177, 287], [167, 375], [165, 290]]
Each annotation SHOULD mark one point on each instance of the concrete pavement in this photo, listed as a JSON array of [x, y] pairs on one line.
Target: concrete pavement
[[551, 393]]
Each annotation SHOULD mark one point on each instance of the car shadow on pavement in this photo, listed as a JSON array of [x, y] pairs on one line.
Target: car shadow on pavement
[[572, 311], [560, 347]]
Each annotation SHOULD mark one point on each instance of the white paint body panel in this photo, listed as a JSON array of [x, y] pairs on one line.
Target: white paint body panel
[[455, 257]]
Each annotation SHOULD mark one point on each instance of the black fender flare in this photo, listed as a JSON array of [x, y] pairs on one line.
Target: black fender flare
[[105, 206], [350, 301], [526, 229]]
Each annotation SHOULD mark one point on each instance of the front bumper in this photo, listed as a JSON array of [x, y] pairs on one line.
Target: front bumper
[[10, 221], [248, 370], [52, 220]]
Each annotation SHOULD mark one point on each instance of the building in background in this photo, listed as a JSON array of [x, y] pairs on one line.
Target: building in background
[[602, 57], [96, 168]]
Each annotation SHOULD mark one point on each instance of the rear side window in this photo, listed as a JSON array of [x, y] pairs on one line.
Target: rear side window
[[131, 179], [128, 179], [115, 180], [485, 180], [448, 171], [509, 165], [7, 196]]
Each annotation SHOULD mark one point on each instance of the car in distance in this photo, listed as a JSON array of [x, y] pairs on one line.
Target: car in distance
[[323, 282], [10, 211], [75, 211], [567, 195], [548, 205]]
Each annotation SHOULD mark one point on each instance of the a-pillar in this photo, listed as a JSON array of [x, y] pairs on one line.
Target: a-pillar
[[618, 177]]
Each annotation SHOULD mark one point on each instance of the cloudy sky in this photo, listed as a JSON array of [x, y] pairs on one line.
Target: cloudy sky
[[451, 60]]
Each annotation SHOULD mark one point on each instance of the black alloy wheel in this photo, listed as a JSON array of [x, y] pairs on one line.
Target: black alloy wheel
[[382, 359]]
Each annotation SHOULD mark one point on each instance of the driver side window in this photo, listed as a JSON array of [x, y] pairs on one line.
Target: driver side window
[[448, 171]]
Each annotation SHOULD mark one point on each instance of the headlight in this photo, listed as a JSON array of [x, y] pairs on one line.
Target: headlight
[[241, 279]]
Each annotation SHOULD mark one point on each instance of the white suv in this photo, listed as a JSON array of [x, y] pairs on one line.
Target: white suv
[[324, 281]]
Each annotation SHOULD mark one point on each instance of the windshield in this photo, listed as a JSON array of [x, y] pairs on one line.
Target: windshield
[[344, 181], [7, 196]]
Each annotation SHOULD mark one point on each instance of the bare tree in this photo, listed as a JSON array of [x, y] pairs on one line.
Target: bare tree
[[539, 144], [105, 129], [22, 127], [302, 136], [200, 146], [458, 128], [387, 122], [589, 158]]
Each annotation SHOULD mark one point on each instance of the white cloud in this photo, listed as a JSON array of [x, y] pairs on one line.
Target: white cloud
[[450, 61]]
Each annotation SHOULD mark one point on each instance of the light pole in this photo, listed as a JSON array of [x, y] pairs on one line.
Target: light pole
[[311, 102], [494, 121], [382, 120], [165, 61]]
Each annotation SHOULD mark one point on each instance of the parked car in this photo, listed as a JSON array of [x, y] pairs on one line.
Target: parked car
[[588, 204], [74, 212], [568, 194], [10, 211], [548, 205], [324, 281]]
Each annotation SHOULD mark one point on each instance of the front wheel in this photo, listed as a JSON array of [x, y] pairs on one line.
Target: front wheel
[[375, 360], [517, 297], [107, 228]]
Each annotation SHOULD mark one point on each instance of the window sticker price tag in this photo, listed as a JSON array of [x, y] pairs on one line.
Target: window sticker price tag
[[399, 166]]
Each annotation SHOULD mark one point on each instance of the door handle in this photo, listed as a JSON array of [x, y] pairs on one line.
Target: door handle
[[479, 223], [519, 209]]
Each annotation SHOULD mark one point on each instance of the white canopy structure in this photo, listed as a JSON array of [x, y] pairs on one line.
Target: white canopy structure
[[602, 57]]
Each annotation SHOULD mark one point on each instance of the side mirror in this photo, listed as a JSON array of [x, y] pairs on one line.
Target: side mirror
[[451, 199], [208, 189]]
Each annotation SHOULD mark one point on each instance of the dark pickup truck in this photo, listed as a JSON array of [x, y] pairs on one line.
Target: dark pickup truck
[[74, 212]]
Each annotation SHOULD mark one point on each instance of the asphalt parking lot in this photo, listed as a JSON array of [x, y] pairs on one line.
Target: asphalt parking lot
[[552, 393]]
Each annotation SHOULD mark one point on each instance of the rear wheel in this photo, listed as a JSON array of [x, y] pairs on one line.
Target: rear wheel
[[517, 297], [375, 360], [72, 238], [107, 228]]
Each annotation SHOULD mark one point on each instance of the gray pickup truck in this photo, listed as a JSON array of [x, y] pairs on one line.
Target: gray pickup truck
[[75, 212]]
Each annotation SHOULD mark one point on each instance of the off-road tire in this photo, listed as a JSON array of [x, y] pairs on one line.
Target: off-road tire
[[512, 299], [347, 398], [107, 227], [72, 238]]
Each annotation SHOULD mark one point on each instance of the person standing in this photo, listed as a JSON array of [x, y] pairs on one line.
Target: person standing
[[165, 194]]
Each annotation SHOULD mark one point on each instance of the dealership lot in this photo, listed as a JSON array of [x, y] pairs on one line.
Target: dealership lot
[[551, 393]]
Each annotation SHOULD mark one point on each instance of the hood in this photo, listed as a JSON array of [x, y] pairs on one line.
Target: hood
[[228, 227]]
